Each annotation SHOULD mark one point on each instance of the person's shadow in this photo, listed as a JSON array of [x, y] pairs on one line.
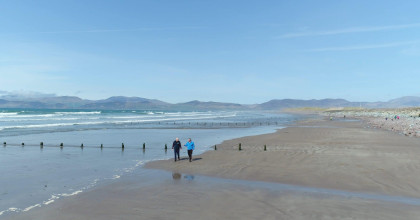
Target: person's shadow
[[186, 158], [183, 158], [198, 158]]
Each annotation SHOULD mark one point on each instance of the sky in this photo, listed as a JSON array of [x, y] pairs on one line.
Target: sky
[[217, 50]]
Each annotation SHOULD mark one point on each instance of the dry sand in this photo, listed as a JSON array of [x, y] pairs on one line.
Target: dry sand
[[407, 123], [336, 155]]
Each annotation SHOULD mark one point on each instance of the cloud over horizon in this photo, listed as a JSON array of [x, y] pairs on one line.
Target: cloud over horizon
[[24, 94], [364, 47], [349, 30]]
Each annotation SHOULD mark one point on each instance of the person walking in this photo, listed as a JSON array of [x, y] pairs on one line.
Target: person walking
[[176, 146], [190, 147]]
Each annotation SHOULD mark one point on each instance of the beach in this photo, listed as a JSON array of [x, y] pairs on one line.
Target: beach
[[314, 169], [83, 149], [342, 155], [404, 121]]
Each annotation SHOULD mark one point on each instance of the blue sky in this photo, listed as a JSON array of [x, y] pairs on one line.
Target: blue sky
[[231, 51]]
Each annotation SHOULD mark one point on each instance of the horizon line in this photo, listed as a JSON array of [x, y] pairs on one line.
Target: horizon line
[[2, 96]]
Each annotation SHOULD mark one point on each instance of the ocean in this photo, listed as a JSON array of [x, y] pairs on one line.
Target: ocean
[[35, 175]]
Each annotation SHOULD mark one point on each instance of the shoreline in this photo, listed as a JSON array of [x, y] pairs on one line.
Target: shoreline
[[159, 195], [58, 196], [316, 169]]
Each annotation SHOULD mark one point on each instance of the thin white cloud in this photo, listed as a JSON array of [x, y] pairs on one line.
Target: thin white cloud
[[349, 30], [364, 47], [110, 30], [24, 94]]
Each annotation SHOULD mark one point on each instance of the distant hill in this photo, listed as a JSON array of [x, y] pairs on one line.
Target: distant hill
[[122, 102], [43, 102], [138, 103], [296, 103], [197, 105], [406, 101], [22, 104]]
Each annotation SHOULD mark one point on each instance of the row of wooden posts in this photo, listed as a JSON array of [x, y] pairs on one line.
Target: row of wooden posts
[[41, 144], [122, 146], [224, 123], [240, 147]]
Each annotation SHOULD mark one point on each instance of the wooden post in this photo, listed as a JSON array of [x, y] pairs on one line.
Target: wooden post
[[81, 146], [144, 145], [215, 147], [265, 147], [122, 145], [240, 146], [102, 146], [166, 147]]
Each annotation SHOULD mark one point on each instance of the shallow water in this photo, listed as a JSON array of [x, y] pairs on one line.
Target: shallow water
[[33, 176]]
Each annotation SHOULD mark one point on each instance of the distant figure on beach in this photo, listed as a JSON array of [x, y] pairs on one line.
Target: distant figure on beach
[[190, 147], [176, 146]]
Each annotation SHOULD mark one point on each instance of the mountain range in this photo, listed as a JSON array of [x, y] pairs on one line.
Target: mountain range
[[137, 103]]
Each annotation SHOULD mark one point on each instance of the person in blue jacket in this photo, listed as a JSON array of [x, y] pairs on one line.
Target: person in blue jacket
[[190, 147]]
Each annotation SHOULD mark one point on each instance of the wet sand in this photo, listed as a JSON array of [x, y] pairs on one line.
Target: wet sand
[[333, 170], [165, 195]]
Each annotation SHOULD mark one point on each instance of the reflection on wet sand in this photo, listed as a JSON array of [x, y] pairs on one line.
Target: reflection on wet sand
[[177, 176]]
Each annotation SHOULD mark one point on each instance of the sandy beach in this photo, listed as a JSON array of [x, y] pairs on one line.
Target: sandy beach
[[317, 169], [404, 121], [342, 155]]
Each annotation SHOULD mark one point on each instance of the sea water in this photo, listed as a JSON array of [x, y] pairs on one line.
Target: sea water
[[33, 176]]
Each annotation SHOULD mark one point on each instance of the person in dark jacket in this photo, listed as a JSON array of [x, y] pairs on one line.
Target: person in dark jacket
[[176, 146]]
